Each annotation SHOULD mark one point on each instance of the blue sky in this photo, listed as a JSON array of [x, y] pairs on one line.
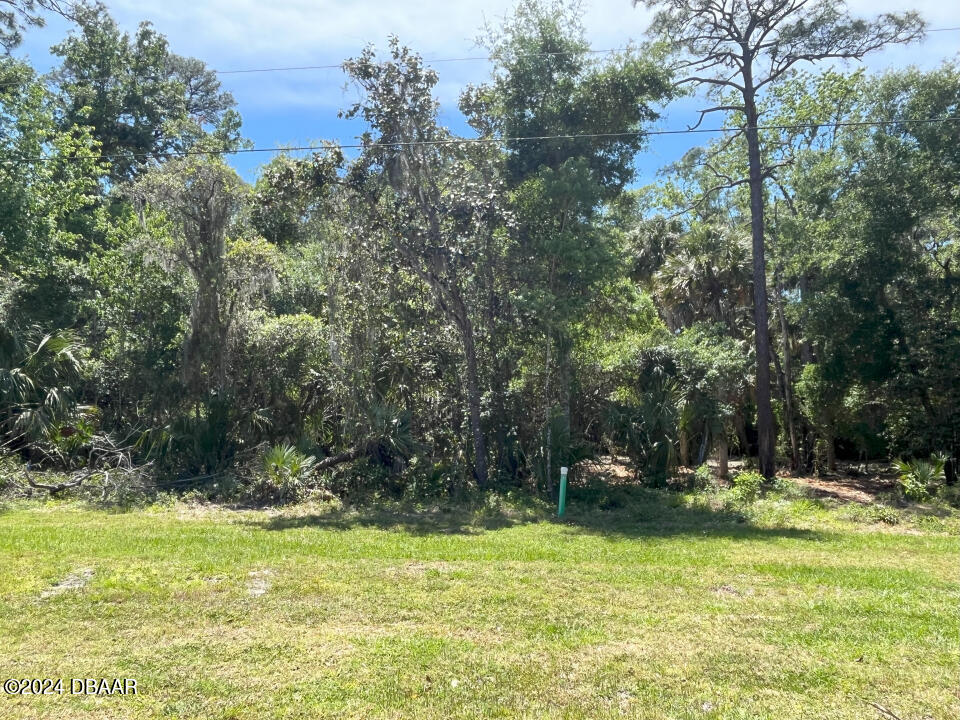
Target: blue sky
[[300, 107]]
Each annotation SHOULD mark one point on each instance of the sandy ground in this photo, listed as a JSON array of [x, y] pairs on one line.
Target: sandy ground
[[851, 483]]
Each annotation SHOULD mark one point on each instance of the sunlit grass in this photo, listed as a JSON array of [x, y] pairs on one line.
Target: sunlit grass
[[663, 608]]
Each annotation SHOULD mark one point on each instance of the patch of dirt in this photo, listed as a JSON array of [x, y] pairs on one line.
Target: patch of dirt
[[74, 581], [258, 582], [850, 484], [731, 591], [612, 469], [420, 568], [863, 490]]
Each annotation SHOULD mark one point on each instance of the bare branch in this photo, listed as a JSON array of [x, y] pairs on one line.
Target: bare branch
[[58, 488], [786, 196], [705, 195], [709, 81], [718, 108], [890, 715], [727, 142]]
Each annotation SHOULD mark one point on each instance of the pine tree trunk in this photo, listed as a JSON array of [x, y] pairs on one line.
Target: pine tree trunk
[[787, 384], [765, 426]]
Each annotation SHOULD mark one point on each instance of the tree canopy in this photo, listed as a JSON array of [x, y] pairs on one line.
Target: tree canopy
[[440, 312]]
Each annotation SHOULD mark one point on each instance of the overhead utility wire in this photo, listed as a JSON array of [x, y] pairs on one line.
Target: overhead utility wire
[[428, 61], [497, 140], [292, 68]]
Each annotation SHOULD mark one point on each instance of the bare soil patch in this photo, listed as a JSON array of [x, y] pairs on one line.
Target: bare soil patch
[[851, 483], [258, 582], [74, 581], [863, 490]]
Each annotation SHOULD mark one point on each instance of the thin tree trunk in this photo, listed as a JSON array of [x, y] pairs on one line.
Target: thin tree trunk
[[787, 383], [684, 448], [831, 452], [723, 455], [451, 302], [504, 463], [565, 380], [740, 426], [547, 416], [473, 402], [765, 426], [704, 444]]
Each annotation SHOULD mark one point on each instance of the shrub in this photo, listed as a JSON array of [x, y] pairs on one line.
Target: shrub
[[950, 494], [285, 471], [919, 477], [746, 486], [879, 513], [884, 514], [702, 478], [789, 489]]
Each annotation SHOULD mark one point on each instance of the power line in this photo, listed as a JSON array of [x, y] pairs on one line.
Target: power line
[[426, 61], [461, 59], [473, 58], [500, 140]]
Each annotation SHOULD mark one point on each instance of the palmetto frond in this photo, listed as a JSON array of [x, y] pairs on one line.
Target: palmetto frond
[[36, 381]]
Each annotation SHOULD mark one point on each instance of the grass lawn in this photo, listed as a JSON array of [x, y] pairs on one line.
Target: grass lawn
[[657, 609]]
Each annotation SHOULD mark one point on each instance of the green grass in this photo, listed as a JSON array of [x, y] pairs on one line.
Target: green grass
[[662, 608]]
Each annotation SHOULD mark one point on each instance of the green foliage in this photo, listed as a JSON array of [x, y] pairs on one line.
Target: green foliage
[[642, 420], [950, 494], [746, 487], [201, 198], [918, 479], [139, 99], [702, 478], [38, 199], [432, 316], [290, 193], [786, 488], [285, 469], [38, 375], [18, 15], [884, 514]]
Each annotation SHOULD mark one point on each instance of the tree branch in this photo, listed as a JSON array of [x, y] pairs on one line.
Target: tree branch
[[718, 108], [58, 488], [709, 81]]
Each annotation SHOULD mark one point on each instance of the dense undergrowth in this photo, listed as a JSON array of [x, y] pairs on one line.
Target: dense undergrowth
[[699, 496]]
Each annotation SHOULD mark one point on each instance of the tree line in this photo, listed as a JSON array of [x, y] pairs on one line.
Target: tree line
[[436, 312]]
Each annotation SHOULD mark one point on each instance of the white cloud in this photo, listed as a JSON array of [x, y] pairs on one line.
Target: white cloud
[[241, 34], [258, 33], [238, 34]]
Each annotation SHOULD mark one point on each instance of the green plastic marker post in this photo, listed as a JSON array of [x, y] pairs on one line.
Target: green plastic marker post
[[563, 492]]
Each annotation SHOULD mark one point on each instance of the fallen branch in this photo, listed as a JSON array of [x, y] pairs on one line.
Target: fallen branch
[[340, 458], [889, 714], [58, 488]]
